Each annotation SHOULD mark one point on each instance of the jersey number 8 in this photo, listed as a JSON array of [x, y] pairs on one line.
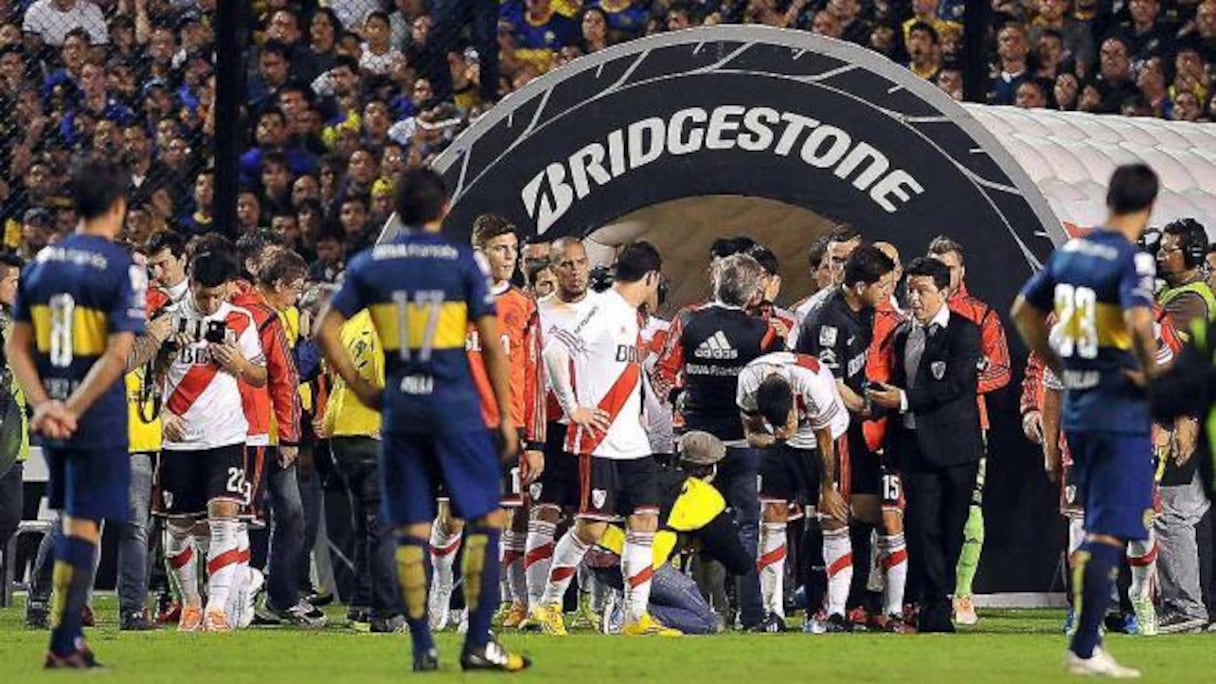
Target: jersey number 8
[[1076, 308], [63, 313]]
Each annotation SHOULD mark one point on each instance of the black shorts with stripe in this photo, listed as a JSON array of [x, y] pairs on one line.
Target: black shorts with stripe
[[187, 481]]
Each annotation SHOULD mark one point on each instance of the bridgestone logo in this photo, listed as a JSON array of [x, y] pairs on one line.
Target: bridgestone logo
[[552, 191]]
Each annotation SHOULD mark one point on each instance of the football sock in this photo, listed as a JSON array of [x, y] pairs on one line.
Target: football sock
[[969, 558], [894, 555], [183, 562], [637, 569], [838, 556], [515, 583], [443, 556], [771, 566], [567, 555], [222, 560], [73, 575], [538, 556], [480, 569], [411, 579], [238, 595], [1094, 573], [1142, 558]]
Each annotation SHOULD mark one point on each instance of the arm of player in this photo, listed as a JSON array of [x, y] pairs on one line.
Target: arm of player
[[1032, 385], [1031, 322], [1139, 321], [330, 339], [146, 346], [498, 370], [557, 364], [534, 402], [754, 428], [831, 503], [665, 377]]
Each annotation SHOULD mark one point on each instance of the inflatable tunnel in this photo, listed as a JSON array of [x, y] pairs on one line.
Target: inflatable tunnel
[[683, 137]]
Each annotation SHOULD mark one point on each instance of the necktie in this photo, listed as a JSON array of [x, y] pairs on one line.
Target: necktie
[[912, 354]]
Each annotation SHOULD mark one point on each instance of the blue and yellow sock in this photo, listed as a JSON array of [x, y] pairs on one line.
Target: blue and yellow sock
[[412, 580], [482, 574], [1094, 573], [72, 578]]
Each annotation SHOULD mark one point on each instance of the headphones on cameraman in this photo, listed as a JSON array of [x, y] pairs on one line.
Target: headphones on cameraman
[[1194, 241]]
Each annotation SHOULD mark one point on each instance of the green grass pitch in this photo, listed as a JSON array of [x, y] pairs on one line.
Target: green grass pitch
[[1020, 647]]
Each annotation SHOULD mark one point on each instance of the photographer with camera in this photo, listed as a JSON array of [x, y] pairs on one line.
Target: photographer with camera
[[202, 476]]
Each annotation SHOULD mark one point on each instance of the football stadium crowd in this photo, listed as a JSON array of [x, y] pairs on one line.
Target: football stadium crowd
[[345, 97]]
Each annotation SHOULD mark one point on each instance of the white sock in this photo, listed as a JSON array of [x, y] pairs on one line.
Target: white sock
[[538, 557], [514, 581], [443, 556], [1142, 558], [238, 594], [895, 566], [567, 555], [876, 582], [183, 562], [1076, 534], [838, 557], [637, 569], [771, 565], [222, 561]]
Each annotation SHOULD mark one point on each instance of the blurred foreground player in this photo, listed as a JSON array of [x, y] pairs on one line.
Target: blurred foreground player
[[1100, 289], [78, 309], [422, 291]]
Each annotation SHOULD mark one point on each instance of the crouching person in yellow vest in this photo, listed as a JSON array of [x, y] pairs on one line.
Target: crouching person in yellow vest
[[692, 515]]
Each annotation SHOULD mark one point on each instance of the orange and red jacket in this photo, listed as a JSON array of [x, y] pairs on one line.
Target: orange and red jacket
[[997, 369], [879, 358], [519, 328], [276, 405]]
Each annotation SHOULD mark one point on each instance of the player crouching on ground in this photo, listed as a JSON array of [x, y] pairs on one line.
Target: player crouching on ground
[[202, 479]]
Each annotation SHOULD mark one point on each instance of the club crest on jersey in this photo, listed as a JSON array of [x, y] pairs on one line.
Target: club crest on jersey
[[827, 336], [535, 489], [598, 498], [938, 368]]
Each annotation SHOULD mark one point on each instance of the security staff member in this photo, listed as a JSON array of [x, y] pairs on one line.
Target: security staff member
[[936, 437], [1189, 300]]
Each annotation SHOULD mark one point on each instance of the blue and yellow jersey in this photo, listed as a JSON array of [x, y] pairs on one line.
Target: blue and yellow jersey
[[1089, 283], [422, 292], [75, 295]]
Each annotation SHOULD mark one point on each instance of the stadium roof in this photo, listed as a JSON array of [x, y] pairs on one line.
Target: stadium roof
[[1070, 155]]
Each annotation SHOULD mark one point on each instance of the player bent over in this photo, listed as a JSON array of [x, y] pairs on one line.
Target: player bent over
[[1100, 288], [595, 370], [202, 478], [422, 292], [792, 410], [78, 308]]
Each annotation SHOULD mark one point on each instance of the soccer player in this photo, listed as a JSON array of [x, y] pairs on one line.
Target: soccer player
[[711, 344], [78, 308], [1100, 288], [595, 370], [558, 485], [841, 243], [994, 375], [495, 239], [839, 334], [422, 292], [202, 477], [792, 410]]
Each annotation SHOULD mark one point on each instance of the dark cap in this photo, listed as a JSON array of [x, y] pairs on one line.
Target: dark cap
[[38, 216], [701, 448]]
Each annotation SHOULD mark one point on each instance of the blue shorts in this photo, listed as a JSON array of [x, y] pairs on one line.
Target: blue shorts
[[1113, 474], [412, 467], [91, 484]]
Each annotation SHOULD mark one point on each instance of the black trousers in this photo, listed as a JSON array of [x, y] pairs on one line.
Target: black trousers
[[938, 499]]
